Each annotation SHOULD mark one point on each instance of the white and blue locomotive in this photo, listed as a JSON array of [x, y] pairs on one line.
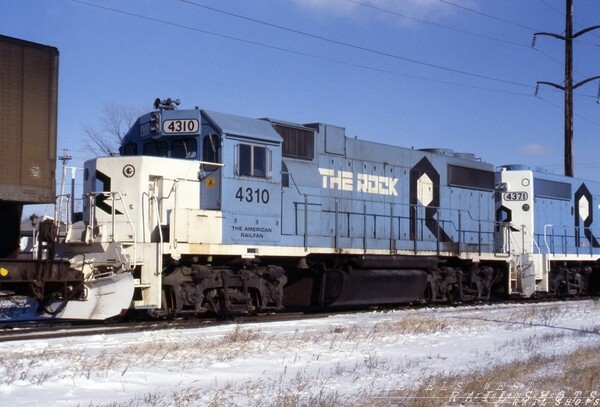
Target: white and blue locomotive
[[212, 212]]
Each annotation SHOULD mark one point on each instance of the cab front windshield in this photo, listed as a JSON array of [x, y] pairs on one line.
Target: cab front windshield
[[182, 148]]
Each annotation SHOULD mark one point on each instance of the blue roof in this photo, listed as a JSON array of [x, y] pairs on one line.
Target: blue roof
[[243, 126]]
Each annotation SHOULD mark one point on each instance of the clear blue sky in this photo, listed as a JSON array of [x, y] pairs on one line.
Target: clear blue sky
[[456, 74]]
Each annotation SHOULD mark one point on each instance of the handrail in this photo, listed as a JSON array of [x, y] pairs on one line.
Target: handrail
[[535, 243], [158, 218], [481, 235], [546, 226], [91, 221], [569, 242], [524, 231]]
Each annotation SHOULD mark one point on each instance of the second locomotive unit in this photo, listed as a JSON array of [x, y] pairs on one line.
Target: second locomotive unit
[[212, 212]]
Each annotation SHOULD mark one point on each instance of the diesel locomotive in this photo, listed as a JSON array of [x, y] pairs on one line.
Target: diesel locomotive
[[207, 212]]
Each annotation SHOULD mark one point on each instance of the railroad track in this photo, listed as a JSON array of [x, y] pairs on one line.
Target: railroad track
[[48, 329], [41, 330]]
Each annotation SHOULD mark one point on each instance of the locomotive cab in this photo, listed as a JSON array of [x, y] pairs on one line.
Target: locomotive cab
[[158, 209]]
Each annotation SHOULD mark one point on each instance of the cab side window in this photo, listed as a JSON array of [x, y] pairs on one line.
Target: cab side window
[[253, 161], [210, 148]]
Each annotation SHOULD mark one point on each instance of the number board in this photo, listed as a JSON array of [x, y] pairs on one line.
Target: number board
[[515, 196], [181, 126]]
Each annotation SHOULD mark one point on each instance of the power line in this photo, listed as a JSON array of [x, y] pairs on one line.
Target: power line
[[361, 48], [290, 51], [483, 36], [551, 7], [187, 27], [562, 108], [308, 55], [479, 35], [488, 15], [254, 20], [446, 27]]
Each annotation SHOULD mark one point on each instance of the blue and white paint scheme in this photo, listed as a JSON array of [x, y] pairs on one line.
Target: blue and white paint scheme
[[207, 210]]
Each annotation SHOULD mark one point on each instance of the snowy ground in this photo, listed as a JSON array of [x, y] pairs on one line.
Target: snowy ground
[[375, 358]]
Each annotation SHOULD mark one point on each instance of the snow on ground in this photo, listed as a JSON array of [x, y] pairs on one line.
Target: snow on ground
[[358, 359]]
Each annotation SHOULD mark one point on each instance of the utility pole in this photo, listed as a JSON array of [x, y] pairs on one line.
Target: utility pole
[[568, 86], [65, 159]]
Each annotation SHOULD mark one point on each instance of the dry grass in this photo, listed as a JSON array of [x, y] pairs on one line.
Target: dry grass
[[239, 334], [568, 379], [571, 379], [316, 365]]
